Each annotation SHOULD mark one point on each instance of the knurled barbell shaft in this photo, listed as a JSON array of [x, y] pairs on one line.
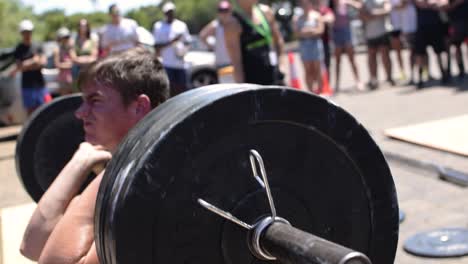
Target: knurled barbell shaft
[[293, 246]]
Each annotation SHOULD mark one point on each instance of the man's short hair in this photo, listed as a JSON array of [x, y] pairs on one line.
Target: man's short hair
[[112, 7], [131, 73]]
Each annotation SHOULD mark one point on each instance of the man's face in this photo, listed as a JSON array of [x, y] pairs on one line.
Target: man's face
[[169, 15], [115, 14], [106, 120], [27, 36]]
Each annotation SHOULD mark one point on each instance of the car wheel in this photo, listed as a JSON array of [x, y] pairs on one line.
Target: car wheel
[[203, 78]]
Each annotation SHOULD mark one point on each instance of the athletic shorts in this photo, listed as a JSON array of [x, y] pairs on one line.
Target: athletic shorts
[[342, 37], [429, 36], [311, 49], [459, 31], [395, 33], [379, 41], [34, 97]]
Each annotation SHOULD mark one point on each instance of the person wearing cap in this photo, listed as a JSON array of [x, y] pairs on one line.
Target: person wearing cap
[[216, 29], [29, 61], [172, 40], [119, 35], [63, 59], [254, 43]]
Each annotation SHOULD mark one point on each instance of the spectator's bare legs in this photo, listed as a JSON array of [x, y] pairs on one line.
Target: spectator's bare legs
[[350, 52], [396, 46], [385, 55], [459, 58], [338, 52], [317, 71], [372, 63], [309, 78]]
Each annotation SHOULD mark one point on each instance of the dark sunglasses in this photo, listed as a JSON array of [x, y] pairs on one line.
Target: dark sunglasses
[[221, 10]]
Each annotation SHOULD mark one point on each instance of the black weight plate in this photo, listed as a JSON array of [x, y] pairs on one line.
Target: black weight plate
[[327, 174], [440, 243], [47, 142]]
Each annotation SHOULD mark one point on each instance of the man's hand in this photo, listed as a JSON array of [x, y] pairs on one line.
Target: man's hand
[[91, 156]]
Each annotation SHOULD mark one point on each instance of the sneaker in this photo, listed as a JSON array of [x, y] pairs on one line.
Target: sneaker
[[373, 84], [391, 82], [360, 86]]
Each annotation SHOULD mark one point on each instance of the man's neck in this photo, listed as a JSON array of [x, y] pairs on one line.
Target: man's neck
[[116, 21], [27, 42]]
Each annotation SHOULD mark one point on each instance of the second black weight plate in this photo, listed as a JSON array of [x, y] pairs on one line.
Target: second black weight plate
[[47, 142]]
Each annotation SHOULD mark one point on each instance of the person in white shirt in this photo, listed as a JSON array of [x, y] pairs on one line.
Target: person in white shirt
[[119, 35], [375, 17], [172, 41], [216, 29]]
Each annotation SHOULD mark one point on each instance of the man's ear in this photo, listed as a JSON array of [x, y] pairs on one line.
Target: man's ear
[[143, 105]]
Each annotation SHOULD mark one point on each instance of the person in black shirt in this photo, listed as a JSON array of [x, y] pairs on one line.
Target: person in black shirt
[[430, 32], [457, 11], [254, 43], [29, 61]]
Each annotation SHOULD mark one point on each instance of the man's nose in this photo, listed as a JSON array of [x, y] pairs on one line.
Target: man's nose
[[82, 111]]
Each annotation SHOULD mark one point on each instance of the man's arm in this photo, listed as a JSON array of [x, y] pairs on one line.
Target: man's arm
[[72, 241], [207, 31], [383, 11], [354, 3], [278, 41], [55, 201], [232, 32]]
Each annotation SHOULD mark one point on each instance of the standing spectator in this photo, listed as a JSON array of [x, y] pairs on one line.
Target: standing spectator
[[342, 38], [457, 11], [86, 48], [172, 39], [309, 27], [29, 61], [328, 19], [430, 32], [63, 60], [403, 18], [216, 29], [254, 43], [397, 15], [375, 15], [120, 34]]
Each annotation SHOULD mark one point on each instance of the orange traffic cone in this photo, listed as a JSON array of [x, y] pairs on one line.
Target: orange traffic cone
[[294, 79], [326, 89]]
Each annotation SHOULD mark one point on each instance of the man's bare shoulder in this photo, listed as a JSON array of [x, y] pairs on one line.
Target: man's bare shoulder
[[232, 25], [267, 11]]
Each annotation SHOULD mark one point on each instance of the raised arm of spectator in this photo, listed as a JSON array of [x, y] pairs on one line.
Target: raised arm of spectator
[[309, 32], [55, 201], [422, 4], [278, 41], [354, 3], [232, 32], [208, 31], [61, 65], [383, 11], [87, 59], [328, 17]]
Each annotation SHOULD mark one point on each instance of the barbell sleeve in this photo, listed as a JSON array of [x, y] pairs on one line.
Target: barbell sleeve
[[293, 246]]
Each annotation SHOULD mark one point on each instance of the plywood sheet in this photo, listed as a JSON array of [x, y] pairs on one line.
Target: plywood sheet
[[13, 222], [449, 135]]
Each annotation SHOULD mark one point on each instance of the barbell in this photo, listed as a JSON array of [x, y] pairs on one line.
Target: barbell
[[230, 174]]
